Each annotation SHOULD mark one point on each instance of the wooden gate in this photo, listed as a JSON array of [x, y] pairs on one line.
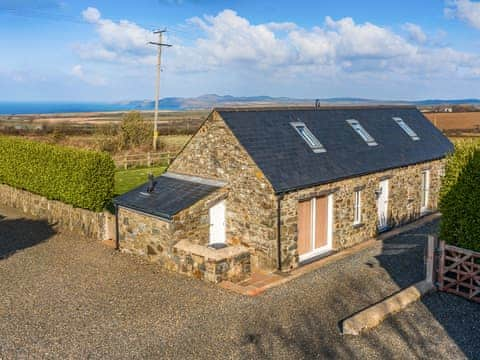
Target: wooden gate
[[459, 272]]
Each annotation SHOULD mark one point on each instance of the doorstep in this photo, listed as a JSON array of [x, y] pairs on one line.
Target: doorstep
[[260, 282]]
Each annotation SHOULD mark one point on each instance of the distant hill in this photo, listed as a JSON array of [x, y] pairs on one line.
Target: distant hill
[[203, 102], [211, 100]]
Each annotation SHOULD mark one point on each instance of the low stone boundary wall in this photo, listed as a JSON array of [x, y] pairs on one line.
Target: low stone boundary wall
[[231, 263], [87, 223]]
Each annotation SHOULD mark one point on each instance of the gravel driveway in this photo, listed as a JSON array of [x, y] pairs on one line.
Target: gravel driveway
[[66, 297]]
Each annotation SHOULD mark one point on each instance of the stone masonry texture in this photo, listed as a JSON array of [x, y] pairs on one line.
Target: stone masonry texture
[[88, 223], [251, 219], [403, 206], [251, 209]]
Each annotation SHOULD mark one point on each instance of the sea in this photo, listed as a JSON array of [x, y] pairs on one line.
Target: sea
[[13, 108]]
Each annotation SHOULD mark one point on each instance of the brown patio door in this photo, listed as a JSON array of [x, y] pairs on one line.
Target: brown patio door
[[312, 225], [321, 221], [304, 227]]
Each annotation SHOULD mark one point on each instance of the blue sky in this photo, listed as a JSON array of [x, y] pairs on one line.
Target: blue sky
[[96, 50]]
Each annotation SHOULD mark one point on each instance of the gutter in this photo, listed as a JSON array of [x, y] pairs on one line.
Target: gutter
[[331, 181], [279, 236]]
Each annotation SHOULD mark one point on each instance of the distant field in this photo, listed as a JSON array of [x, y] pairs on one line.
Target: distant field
[[85, 130], [457, 124], [169, 122]]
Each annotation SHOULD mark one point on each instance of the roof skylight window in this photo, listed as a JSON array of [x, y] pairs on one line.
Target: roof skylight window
[[309, 138], [362, 132], [406, 128]]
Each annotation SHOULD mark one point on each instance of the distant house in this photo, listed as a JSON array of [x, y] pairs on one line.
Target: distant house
[[267, 189]]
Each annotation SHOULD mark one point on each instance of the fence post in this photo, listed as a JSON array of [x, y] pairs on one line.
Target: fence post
[[149, 160], [430, 259], [441, 266], [126, 162]]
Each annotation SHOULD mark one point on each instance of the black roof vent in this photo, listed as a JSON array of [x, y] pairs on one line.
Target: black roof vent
[[151, 183]]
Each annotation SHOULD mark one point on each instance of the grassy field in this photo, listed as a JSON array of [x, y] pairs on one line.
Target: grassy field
[[126, 180], [173, 143], [457, 124], [88, 130]]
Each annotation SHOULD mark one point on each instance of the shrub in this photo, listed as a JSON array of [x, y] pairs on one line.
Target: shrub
[[81, 178], [135, 131], [460, 197]]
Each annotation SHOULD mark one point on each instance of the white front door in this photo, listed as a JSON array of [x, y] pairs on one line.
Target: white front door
[[217, 223], [382, 205]]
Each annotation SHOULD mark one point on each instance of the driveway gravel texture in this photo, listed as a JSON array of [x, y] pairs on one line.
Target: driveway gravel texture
[[64, 297]]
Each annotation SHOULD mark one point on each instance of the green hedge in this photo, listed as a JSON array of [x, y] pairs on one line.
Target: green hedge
[[82, 178], [460, 197]]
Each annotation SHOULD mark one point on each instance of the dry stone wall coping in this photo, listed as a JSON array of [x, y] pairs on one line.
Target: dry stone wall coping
[[211, 254]]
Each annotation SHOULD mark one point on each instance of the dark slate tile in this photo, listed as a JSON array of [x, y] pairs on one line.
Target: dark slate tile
[[170, 196], [289, 163]]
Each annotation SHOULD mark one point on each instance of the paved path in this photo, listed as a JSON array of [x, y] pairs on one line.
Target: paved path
[[66, 297]]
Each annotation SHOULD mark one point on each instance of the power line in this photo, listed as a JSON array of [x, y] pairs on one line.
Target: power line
[[38, 14]]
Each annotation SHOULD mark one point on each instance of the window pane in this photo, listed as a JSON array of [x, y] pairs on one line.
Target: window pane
[[408, 130], [359, 129], [309, 138], [357, 208]]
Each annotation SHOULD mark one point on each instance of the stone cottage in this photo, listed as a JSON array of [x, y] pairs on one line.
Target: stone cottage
[[271, 189]]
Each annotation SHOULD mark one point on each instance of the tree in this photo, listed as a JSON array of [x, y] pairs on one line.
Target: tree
[[135, 131]]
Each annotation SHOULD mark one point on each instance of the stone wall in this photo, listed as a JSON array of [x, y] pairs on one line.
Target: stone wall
[[251, 219], [193, 223], [403, 206], [231, 263], [85, 222], [165, 242], [150, 236], [145, 235]]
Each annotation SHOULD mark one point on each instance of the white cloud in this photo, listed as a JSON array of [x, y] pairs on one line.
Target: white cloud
[[229, 43], [121, 41], [415, 33], [78, 72], [91, 14], [465, 10]]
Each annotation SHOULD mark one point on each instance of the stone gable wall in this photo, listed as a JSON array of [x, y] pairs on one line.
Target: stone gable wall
[[404, 206], [214, 152]]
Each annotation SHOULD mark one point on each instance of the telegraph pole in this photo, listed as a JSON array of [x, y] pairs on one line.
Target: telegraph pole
[[159, 44]]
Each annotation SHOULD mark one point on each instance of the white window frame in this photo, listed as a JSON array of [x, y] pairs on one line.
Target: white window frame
[[308, 137], [357, 207], [360, 130], [425, 191], [408, 130]]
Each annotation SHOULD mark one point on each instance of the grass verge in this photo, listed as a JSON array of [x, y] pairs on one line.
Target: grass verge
[[126, 180]]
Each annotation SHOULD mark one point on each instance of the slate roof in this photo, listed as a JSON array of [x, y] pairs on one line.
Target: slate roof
[[172, 194], [290, 164]]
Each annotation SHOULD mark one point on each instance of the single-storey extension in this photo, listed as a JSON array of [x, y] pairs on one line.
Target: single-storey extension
[[271, 189]]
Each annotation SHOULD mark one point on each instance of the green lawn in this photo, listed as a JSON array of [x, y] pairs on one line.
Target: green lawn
[[126, 180]]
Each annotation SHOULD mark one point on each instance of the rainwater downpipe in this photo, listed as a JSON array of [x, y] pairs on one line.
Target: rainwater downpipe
[[279, 236], [117, 237]]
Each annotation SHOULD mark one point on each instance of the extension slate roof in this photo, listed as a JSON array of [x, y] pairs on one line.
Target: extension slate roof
[[290, 164], [172, 194]]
